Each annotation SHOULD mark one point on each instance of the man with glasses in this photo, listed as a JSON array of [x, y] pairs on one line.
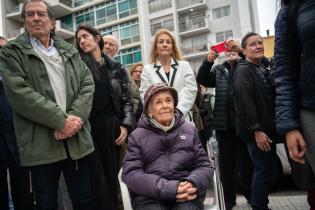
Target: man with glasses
[[50, 90]]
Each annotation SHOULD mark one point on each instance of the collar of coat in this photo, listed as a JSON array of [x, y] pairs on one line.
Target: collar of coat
[[23, 42], [162, 75]]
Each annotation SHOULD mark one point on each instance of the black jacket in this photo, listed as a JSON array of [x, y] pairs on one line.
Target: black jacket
[[120, 92], [294, 93], [9, 156], [254, 105], [220, 78]]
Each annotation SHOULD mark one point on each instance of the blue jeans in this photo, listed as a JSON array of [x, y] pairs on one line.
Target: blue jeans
[[265, 174], [45, 181]]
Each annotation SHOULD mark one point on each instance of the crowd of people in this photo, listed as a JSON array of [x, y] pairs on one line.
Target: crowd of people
[[72, 117]]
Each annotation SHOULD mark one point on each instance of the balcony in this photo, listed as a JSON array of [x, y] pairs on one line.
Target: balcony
[[64, 31], [61, 7], [187, 6], [193, 26], [14, 12], [195, 51]]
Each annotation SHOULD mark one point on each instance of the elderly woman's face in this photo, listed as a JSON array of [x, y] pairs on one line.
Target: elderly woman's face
[[162, 108], [164, 45]]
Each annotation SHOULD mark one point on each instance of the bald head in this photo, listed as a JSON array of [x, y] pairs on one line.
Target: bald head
[[110, 45], [3, 41]]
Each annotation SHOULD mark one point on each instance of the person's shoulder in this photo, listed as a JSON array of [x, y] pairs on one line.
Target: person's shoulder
[[182, 63], [219, 67], [282, 16], [64, 45]]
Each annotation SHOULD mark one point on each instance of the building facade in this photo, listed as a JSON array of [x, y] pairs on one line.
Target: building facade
[[196, 24]]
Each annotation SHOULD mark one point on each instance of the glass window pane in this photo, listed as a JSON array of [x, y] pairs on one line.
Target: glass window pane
[[228, 34], [89, 17], [219, 37], [123, 6], [133, 4], [127, 59], [111, 10], [79, 19], [138, 57], [100, 13]]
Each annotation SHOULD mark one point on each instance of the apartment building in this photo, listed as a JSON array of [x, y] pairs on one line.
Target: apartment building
[[196, 24], [119, 18]]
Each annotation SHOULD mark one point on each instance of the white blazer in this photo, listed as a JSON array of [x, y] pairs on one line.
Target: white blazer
[[181, 78]]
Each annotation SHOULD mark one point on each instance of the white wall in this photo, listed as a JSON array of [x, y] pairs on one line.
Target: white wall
[[1, 18]]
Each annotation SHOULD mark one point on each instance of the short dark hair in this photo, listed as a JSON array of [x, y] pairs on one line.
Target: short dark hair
[[1, 37], [244, 40], [49, 9]]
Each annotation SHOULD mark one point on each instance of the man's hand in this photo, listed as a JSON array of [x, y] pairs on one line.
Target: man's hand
[[123, 136], [262, 140], [186, 192], [71, 126], [212, 55], [296, 145]]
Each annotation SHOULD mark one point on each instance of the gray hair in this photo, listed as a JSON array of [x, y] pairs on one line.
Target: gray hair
[[49, 11], [113, 38]]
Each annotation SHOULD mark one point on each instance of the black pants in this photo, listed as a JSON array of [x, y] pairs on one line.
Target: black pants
[[104, 163], [235, 166], [196, 204], [22, 197], [45, 182]]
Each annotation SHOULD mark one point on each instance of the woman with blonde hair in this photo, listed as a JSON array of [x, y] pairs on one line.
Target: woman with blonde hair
[[167, 66]]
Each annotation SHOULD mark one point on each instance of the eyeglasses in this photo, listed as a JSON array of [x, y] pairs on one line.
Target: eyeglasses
[[39, 14]]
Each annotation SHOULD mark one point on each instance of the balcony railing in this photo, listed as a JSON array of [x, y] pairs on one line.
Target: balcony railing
[[68, 3], [192, 24], [194, 49], [187, 3], [13, 9], [66, 26], [78, 3]]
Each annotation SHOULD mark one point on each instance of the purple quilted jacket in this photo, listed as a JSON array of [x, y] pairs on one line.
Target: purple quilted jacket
[[156, 161]]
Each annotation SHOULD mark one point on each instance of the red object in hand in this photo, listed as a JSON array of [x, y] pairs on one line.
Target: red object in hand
[[221, 47]]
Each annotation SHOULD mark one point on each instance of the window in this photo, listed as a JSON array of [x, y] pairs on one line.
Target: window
[[158, 5], [195, 44], [194, 20], [78, 3], [126, 32], [129, 32], [106, 12], [166, 22], [127, 8], [85, 16], [130, 56], [221, 12], [67, 22], [221, 36]]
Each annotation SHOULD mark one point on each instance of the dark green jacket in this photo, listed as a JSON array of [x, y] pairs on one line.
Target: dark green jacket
[[36, 114]]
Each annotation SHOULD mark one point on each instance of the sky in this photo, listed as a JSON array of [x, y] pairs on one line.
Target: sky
[[267, 12]]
